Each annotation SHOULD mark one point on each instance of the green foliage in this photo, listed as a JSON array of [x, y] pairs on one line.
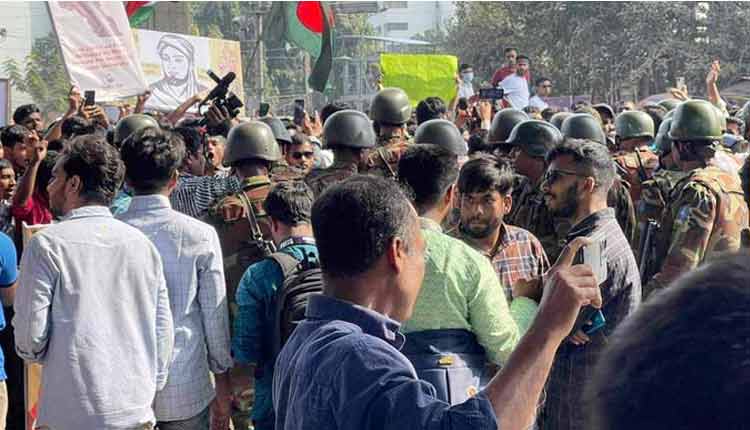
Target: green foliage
[[601, 48], [42, 75]]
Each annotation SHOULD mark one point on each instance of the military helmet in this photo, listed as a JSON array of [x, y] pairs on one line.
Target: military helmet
[[390, 106], [633, 124], [696, 120], [669, 104], [252, 139], [558, 118], [279, 130], [662, 141], [503, 123], [604, 108], [535, 137], [130, 124], [583, 126], [442, 133], [349, 128]]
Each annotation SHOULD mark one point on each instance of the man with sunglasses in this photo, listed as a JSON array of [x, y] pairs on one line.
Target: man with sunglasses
[[300, 154], [542, 92], [575, 185]]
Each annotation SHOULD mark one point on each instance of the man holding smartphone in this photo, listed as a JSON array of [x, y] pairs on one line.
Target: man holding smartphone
[[575, 187]]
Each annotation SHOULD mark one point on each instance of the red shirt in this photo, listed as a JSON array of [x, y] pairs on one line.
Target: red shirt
[[35, 211], [504, 72]]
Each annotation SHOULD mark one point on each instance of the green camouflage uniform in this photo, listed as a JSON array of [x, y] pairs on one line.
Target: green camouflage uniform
[[654, 197], [705, 216], [383, 159], [320, 179], [634, 165], [530, 212]]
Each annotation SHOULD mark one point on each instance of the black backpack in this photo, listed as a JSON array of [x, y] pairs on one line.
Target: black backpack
[[302, 279]]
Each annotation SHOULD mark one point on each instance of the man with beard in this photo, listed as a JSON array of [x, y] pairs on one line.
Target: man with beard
[[460, 310], [485, 186], [575, 186]]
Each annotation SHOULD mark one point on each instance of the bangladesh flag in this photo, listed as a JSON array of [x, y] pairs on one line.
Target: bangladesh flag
[[139, 11], [309, 26]]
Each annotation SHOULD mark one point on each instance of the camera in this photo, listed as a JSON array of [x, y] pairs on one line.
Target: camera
[[221, 97]]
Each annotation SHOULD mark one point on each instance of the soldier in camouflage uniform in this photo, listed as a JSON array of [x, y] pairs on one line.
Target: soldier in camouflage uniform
[[655, 192], [585, 126], [633, 133], [349, 134], [250, 152], [500, 128], [706, 214], [531, 140], [390, 111]]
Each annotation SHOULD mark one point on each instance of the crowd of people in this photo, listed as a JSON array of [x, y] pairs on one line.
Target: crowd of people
[[475, 264]]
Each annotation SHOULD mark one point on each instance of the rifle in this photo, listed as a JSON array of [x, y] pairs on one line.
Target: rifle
[[266, 246], [648, 264]]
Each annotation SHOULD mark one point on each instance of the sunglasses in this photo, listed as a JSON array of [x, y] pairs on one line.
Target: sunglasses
[[300, 155], [553, 175], [546, 86]]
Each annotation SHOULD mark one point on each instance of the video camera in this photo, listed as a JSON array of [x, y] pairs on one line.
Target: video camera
[[221, 97]]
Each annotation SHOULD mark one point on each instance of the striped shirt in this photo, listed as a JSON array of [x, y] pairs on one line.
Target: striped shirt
[[517, 255], [194, 195]]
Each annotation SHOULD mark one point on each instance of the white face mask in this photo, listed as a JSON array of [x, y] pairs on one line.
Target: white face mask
[[467, 77]]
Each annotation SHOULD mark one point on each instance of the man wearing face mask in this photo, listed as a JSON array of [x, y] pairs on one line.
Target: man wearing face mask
[[465, 85]]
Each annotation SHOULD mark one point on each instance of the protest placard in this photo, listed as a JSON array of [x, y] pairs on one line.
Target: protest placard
[[98, 48], [420, 75]]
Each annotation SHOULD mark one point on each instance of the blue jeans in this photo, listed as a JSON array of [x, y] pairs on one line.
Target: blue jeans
[[198, 422]]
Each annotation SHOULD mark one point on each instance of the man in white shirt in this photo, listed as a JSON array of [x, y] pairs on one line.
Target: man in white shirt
[[516, 87], [92, 304], [543, 88]]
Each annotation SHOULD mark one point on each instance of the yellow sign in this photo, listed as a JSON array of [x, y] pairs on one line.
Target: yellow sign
[[421, 75]]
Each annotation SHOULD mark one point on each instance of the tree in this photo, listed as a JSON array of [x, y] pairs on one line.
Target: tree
[[602, 48], [42, 75]]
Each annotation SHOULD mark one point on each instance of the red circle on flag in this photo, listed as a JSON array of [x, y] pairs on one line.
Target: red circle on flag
[[310, 15]]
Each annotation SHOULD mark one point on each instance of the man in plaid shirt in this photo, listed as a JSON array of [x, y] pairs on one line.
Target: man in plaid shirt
[[485, 185]]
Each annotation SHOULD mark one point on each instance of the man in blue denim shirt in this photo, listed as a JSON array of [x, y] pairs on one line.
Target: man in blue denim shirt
[[341, 368], [288, 207]]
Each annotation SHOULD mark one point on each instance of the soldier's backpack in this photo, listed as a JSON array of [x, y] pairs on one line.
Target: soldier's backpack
[[302, 279]]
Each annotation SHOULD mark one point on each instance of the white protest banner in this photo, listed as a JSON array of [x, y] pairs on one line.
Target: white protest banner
[[176, 66], [98, 49]]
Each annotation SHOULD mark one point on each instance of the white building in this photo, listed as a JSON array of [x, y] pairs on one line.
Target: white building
[[404, 19], [20, 24]]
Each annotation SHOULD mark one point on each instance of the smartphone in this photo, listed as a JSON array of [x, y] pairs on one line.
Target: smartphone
[[491, 93], [264, 108], [591, 320], [299, 111], [680, 82], [463, 104], [89, 97]]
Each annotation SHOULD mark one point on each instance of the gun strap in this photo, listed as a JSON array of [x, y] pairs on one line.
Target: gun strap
[[385, 161], [641, 169], [251, 218]]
